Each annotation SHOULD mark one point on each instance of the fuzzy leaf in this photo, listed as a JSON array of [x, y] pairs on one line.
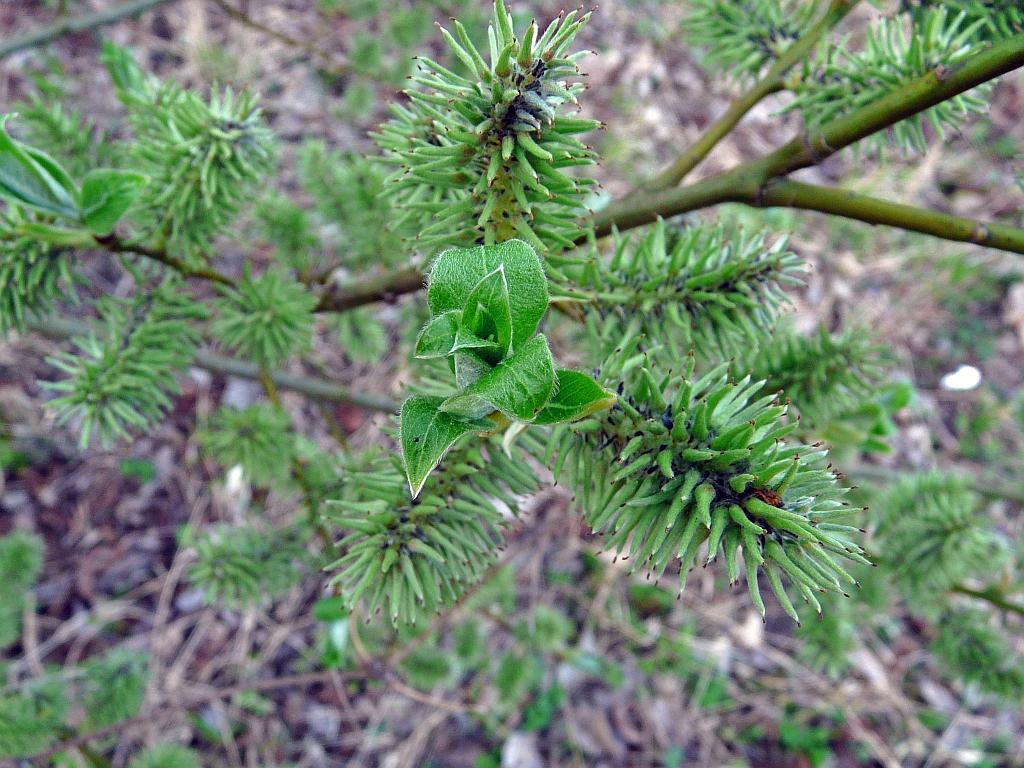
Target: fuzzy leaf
[[468, 368], [457, 271], [576, 397], [438, 336], [34, 179], [427, 433], [107, 193], [487, 315], [519, 386], [465, 339]]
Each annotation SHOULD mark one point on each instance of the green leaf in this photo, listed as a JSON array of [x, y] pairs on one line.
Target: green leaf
[[519, 386], [487, 315], [427, 433], [468, 368], [576, 397], [437, 338], [107, 194], [457, 271], [464, 340], [34, 179]]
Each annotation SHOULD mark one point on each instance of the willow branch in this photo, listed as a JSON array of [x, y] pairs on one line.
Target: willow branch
[[991, 595], [385, 287], [77, 24], [772, 82], [747, 183], [315, 389], [115, 244], [873, 210]]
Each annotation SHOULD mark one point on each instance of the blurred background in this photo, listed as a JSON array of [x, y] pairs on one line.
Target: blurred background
[[561, 659]]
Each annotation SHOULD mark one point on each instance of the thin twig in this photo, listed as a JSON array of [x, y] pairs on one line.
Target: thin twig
[[786, 193], [385, 287], [991, 595], [69, 25], [116, 244], [772, 82], [748, 182], [340, 66], [316, 389]]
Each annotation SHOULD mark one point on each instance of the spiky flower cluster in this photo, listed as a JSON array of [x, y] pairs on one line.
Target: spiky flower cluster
[[64, 134], [254, 438], [968, 643], [745, 36], [31, 719], [203, 158], [842, 81], [348, 192], [32, 273], [482, 158], [21, 558], [691, 287], [822, 374], [414, 557], [120, 381], [266, 319], [687, 465], [243, 565], [930, 528]]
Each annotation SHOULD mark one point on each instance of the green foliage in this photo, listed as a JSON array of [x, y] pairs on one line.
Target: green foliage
[[682, 462], [823, 375], [991, 19], [266, 319], [745, 36], [933, 537], [122, 380], [33, 274], [683, 458], [427, 668], [63, 133], [243, 565], [289, 228], [21, 559], [113, 687], [810, 742], [841, 81], [687, 288], [31, 178], [257, 438], [828, 639], [503, 369], [347, 190], [976, 651], [31, 719], [361, 336], [106, 195], [203, 157], [482, 156], [166, 756], [413, 558]]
